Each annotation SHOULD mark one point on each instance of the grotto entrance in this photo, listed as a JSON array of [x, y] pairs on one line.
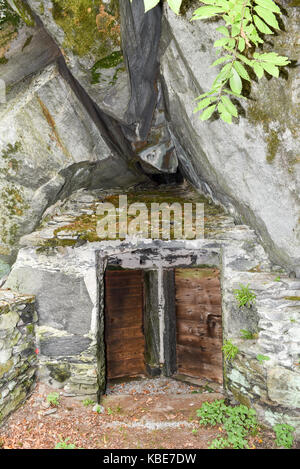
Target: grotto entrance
[[169, 324]]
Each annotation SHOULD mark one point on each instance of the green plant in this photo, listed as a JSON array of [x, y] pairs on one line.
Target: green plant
[[262, 358], [174, 4], [248, 335], [98, 408], [230, 350], [238, 422], [244, 296], [53, 399], [212, 413], [284, 435], [88, 402], [246, 22], [63, 444]]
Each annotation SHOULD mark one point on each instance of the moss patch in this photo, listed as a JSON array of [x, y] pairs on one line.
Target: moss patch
[[12, 197], [49, 244], [59, 372], [273, 106], [87, 28], [8, 15], [24, 12], [187, 5], [111, 61], [273, 143], [84, 227], [6, 368], [27, 42]]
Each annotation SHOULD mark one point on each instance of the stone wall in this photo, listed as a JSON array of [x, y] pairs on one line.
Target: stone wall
[[18, 354], [68, 280], [270, 385], [67, 299]]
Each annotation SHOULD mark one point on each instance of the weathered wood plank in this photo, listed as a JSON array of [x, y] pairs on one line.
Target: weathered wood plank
[[192, 312], [199, 323], [125, 342], [132, 366]]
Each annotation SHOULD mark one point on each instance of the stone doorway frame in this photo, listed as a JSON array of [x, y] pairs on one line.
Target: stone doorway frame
[[158, 259]]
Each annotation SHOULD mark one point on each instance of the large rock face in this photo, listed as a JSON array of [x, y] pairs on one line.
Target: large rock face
[[252, 166], [88, 33], [50, 141]]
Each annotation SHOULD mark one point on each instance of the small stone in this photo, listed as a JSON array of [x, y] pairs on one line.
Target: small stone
[[46, 405], [5, 355], [50, 412]]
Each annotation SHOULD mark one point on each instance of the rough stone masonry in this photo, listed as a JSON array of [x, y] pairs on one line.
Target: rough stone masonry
[[18, 354]]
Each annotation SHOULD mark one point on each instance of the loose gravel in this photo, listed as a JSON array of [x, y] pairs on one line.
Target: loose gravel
[[159, 385]]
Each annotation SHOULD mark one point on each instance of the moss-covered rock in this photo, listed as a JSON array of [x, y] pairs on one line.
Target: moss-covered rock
[[88, 33], [59, 372]]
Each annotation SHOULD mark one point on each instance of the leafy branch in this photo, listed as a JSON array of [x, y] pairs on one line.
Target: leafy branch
[[245, 22]]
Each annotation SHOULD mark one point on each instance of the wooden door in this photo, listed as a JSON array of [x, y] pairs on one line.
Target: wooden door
[[199, 323], [124, 337]]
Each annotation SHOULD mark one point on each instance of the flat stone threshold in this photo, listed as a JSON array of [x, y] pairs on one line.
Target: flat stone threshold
[[175, 385]]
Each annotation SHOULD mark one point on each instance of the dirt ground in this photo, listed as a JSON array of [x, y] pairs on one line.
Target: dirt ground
[[155, 415]]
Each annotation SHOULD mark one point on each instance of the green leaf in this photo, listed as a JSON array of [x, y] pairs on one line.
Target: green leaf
[[271, 69], [233, 94], [254, 37], [241, 44], [149, 4], [261, 26], [204, 103], [223, 30], [269, 5], [258, 69], [205, 94], [274, 58], [223, 75], [244, 59], [241, 70], [226, 117], [225, 4], [235, 30], [207, 113], [235, 82], [262, 358], [230, 107], [221, 42], [206, 12], [267, 16], [230, 44], [221, 60], [175, 5]]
